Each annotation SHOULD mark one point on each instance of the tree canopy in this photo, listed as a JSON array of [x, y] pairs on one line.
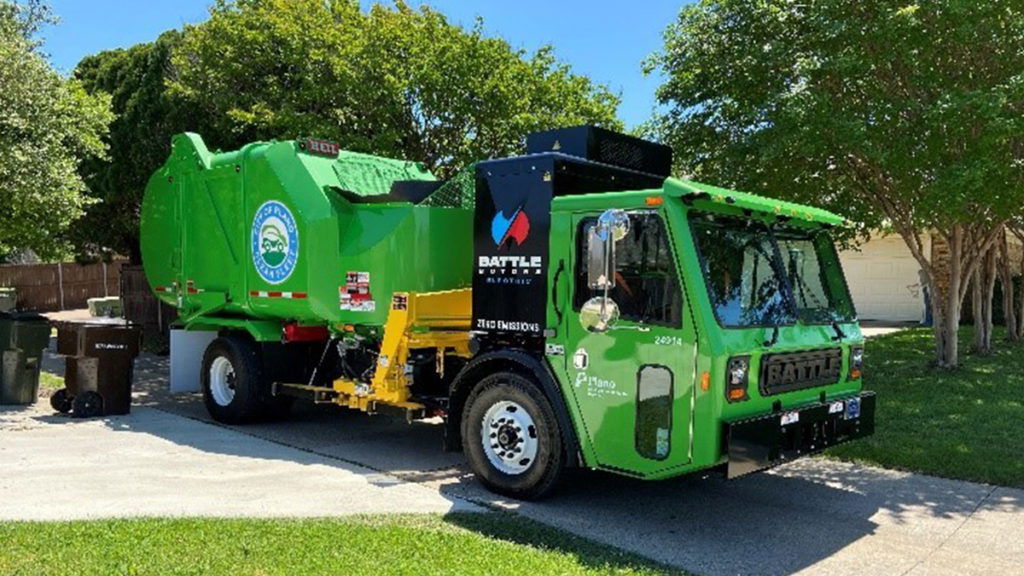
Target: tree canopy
[[893, 113], [139, 140], [48, 125], [394, 81]]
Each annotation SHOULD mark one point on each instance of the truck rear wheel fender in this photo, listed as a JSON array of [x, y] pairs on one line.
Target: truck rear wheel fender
[[518, 362]]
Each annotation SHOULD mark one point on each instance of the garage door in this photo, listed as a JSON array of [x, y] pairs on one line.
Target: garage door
[[884, 281]]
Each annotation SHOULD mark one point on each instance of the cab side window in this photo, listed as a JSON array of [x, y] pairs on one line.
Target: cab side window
[[646, 285]]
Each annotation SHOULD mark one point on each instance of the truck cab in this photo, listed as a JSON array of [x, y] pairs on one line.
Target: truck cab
[[703, 315], [684, 326]]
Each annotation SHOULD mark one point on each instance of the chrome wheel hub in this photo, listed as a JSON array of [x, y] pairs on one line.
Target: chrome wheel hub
[[509, 437]]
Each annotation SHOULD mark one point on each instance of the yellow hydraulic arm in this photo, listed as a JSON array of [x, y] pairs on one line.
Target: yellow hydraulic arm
[[438, 320]]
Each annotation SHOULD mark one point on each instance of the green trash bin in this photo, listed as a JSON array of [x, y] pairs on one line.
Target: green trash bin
[[8, 299], [23, 337]]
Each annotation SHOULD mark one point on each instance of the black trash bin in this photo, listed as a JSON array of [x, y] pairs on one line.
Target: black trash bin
[[99, 362], [23, 337]]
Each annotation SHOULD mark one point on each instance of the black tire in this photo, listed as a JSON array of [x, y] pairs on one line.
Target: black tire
[[244, 404], [543, 473], [61, 401], [87, 405]]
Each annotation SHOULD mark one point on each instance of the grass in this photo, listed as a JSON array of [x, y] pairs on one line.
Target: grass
[[460, 543], [966, 423], [49, 381]]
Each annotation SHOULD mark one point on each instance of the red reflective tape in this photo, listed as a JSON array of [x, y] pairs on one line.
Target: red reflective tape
[[299, 295], [273, 294]]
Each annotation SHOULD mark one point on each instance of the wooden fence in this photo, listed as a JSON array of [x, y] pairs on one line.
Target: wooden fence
[[62, 286], [141, 307]]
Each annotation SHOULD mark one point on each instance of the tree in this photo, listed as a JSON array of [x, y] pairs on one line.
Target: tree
[[48, 125], [398, 81], [139, 141], [894, 113]]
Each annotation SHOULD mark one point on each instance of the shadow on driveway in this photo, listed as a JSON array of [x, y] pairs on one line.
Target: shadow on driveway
[[814, 515]]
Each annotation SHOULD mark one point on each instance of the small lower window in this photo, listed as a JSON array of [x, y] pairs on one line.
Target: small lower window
[[654, 412]]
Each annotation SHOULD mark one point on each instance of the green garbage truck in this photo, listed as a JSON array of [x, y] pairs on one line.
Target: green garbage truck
[[575, 306]]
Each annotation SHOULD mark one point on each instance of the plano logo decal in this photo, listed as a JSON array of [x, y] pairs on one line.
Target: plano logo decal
[[275, 242]]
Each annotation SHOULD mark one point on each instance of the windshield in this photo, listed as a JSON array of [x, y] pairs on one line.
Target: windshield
[[761, 276]]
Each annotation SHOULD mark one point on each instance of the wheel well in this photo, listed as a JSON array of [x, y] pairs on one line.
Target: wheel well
[[522, 364]]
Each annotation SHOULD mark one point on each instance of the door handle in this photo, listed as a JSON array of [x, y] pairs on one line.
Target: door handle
[[554, 290]]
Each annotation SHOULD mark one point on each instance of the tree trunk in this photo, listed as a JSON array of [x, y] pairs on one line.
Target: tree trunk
[[949, 354], [1009, 302], [978, 310], [988, 297], [1020, 304]]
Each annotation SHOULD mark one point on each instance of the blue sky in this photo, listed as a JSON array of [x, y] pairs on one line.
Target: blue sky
[[604, 39]]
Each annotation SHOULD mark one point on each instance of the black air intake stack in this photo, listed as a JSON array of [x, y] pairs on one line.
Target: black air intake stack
[[604, 147]]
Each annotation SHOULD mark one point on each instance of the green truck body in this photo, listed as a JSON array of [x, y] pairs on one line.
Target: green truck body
[[206, 254], [734, 343]]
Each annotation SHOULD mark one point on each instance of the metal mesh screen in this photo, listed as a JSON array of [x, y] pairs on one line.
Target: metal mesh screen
[[458, 192]]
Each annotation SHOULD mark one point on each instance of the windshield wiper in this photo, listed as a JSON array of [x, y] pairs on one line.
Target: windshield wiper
[[840, 335], [775, 337]]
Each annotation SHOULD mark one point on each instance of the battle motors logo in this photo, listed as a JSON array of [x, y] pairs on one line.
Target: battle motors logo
[[275, 242], [506, 230]]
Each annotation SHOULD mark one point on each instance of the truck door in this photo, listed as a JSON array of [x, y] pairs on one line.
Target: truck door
[[634, 384]]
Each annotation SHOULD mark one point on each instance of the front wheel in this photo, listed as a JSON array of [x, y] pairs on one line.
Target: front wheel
[[511, 437]]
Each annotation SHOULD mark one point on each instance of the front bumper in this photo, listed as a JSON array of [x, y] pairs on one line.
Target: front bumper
[[765, 441]]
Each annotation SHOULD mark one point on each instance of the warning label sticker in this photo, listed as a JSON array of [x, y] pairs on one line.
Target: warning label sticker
[[355, 295]]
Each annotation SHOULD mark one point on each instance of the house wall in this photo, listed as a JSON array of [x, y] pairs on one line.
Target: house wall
[[884, 280]]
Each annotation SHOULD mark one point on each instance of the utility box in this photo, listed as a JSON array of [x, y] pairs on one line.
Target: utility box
[[8, 299], [98, 370], [23, 337]]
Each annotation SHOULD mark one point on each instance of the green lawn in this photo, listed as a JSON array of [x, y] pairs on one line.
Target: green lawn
[[966, 424], [49, 381], [488, 544]]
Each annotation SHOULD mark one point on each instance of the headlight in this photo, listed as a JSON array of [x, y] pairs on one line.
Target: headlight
[[856, 362], [737, 378]]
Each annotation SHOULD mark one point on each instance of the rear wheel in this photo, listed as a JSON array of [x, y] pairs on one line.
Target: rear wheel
[[87, 405], [511, 437], [232, 380], [61, 401]]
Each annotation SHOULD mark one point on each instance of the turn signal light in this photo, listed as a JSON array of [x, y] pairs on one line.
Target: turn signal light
[[705, 381], [654, 200]]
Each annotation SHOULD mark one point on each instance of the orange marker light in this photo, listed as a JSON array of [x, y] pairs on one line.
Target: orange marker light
[[705, 381], [654, 200], [737, 394]]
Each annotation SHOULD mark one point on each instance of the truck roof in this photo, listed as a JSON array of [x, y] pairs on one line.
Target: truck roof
[[676, 187], [696, 192]]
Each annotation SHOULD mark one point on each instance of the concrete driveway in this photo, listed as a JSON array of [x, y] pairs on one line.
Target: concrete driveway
[[811, 517]]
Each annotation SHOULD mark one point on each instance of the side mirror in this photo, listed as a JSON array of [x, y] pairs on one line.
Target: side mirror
[[600, 313]]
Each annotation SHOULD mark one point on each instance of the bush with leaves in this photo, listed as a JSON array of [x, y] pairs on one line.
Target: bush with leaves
[[48, 125]]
